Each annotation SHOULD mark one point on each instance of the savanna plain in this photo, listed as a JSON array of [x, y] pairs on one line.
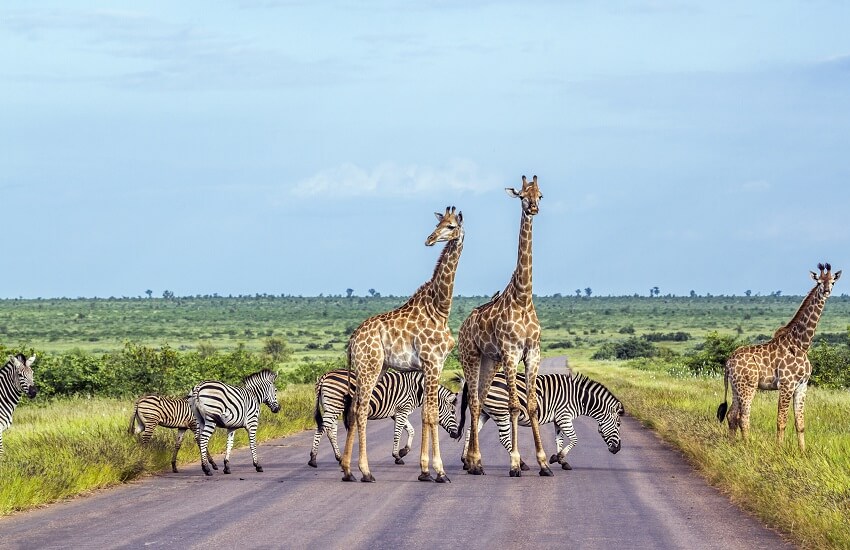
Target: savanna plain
[[661, 355]]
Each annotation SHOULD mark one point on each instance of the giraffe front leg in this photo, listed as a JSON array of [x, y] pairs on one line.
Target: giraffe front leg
[[785, 396], [513, 409], [532, 364], [484, 371], [429, 421], [345, 462], [799, 420]]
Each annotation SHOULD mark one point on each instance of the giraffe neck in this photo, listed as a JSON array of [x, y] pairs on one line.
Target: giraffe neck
[[802, 326], [521, 280], [442, 282]]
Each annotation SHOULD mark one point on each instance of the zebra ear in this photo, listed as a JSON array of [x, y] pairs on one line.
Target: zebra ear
[[15, 362], [30, 361]]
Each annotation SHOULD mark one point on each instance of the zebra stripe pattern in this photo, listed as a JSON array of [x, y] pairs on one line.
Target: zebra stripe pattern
[[395, 396], [561, 398], [217, 404], [15, 380], [151, 411]]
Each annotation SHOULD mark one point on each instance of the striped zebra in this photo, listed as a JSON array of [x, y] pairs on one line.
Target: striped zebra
[[561, 398], [151, 411], [15, 380], [395, 396], [216, 404]]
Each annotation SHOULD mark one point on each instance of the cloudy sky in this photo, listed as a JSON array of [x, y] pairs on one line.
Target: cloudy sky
[[302, 147]]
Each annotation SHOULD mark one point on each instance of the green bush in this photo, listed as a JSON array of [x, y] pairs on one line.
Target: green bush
[[830, 365], [632, 348], [710, 356]]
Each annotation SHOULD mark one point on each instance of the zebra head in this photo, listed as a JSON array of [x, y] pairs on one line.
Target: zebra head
[[446, 401], [262, 385], [23, 369], [609, 424]]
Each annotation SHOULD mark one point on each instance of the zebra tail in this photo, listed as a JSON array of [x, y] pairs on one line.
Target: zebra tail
[[464, 402], [317, 414], [721, 410], [132, 429]]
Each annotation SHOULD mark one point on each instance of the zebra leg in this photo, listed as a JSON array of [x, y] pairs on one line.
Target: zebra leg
[[198, 441], [332, 436], [147, 433], [228, 449], [410, 433], [1, 442], [252, 439], [178, 441], [799, 421], [532, 365], [315, 449], [399, 421], [204, 433], [565, 428]]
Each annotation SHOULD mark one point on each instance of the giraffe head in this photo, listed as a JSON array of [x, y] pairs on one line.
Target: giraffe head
[[825, 279], [530, 195], [449, 227]]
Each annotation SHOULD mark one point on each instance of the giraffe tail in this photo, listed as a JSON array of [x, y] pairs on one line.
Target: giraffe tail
[[464, 403], [721, 410], [347, 400]]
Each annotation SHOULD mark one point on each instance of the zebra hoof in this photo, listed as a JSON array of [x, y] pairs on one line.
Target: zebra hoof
[[348, 477], [399, 461], [515, 473], [207, 472], [442, 478], [174, 467], [566, 465], [214, 465], [258, 467], [368, 478], [553, 459], [425, 477], [523, 466], [403, 451], [312, 462], [226, 469], [546, 472]]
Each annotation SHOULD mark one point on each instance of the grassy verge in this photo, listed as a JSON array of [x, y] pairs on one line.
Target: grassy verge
[[806, 495], [71, 446]]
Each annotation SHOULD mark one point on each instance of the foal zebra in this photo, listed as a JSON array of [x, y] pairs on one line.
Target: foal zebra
[[561, 398], [151, 411], [395, 396], [15, 380], [216, 404]]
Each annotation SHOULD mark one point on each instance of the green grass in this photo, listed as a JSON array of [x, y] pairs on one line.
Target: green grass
[[806, 495], [71, 446]]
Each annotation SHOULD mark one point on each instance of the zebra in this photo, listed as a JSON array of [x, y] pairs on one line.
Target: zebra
[[561, 398], [217, 404], [151, 411], [395, 396], [15, 380]]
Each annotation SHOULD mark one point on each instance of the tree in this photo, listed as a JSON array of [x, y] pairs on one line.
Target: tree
[[654, 291], [167, 294], [372, 292], [588, 291], [693, 294], [349, 292], [149, 292], [748, 293], [278, 349], [578, 293]]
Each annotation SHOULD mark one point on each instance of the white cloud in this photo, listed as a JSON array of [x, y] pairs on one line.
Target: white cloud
[[397, 180]]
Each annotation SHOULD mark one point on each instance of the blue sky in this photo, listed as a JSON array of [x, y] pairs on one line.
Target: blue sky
[[301, 147]]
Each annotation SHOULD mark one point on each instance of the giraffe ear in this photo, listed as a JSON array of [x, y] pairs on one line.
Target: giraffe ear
[[439, 216], [837, 275], [814, 275], [460, 221], [512, 192]]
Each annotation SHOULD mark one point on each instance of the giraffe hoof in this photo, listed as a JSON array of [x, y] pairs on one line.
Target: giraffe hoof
[[546, 472], [425, 477], [523, 466], [348, 477], [312, 463], [443, 478], [515, 473], [399, 461], [368, 478], [553, 459], [403, 451], [475, 470], [566, 465]]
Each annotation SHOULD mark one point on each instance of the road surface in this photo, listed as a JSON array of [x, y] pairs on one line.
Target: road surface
[[646, 496]]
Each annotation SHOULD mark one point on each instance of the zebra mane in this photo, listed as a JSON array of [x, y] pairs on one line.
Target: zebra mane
[[259, 375], [589, 386]]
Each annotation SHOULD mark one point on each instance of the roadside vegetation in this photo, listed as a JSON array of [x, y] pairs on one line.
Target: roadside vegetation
[[661, 355]]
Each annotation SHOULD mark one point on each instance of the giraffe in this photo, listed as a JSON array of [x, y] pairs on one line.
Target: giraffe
[[780, 364], [415, 336], [505, 331]]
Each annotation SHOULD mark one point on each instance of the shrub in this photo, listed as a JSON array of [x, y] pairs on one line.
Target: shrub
[[632, 348], [830, 365], [710, 356]]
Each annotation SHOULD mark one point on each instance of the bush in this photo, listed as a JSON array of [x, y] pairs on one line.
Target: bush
[[310, 370], [710, 356], [632, 348], [667, 337], [830, 365]]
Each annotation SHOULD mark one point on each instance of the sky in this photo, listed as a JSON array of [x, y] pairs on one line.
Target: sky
[[288, 147]]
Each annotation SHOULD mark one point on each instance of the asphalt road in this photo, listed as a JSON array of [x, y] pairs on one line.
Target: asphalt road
[[646, 496]]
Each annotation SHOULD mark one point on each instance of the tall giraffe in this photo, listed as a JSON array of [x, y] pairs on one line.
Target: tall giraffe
[[415, 336], [505, 331], [779, 364]]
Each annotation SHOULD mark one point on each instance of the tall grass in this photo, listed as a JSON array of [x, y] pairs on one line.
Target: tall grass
[[806, 495], [71, 446]]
